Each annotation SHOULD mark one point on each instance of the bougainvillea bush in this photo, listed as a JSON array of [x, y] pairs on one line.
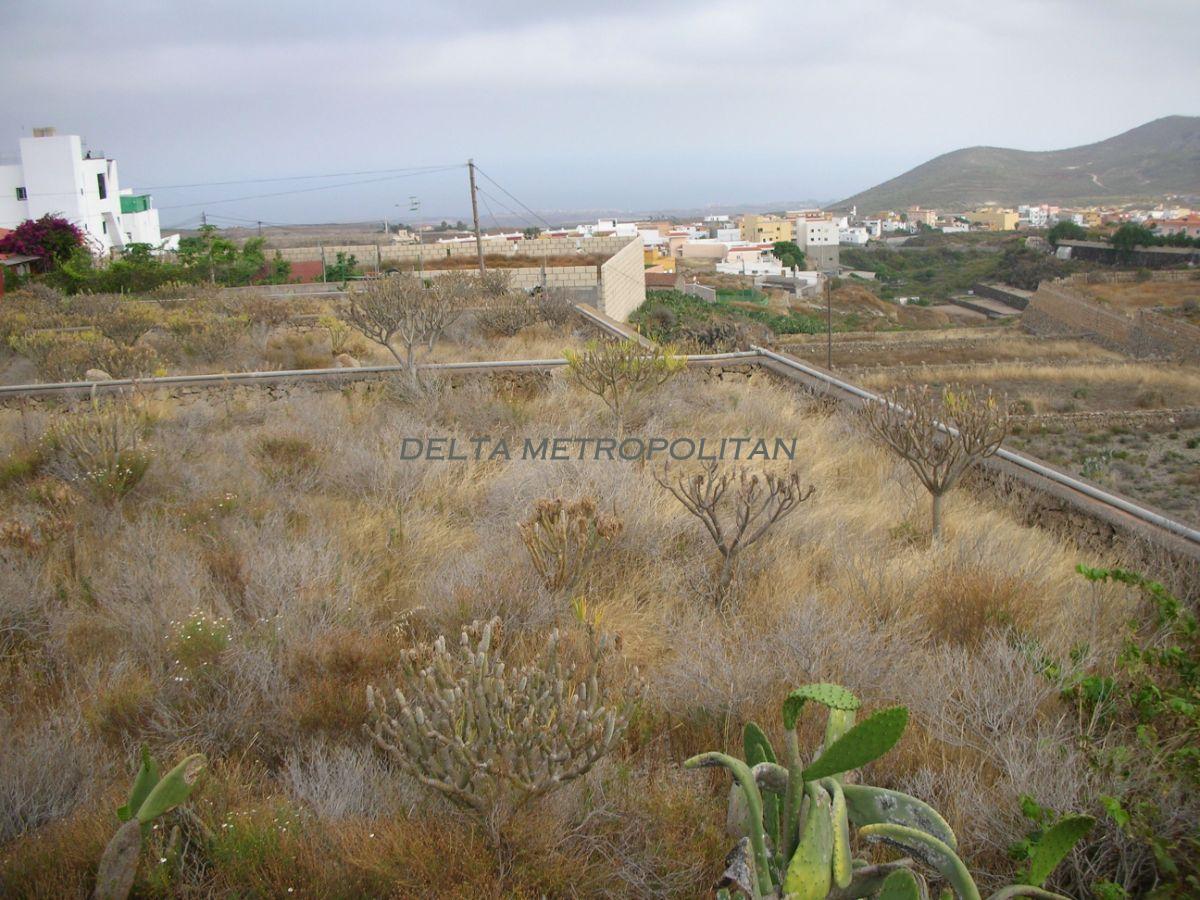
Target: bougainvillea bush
[[52, 238]]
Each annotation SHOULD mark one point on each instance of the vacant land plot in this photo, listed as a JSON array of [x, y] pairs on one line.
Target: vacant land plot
[[1063, 388], [275, 557], [45, 337], [1068, 398], [1158, 461], [1133, 295], [960, 346]]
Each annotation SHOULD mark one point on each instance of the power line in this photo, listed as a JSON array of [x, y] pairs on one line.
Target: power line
[[323, 187], [488, 207], [508, 209], [414, 169], [510, 196]]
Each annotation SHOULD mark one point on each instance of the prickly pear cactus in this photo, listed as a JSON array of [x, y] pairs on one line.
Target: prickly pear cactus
[[149, 798], [794, 821]]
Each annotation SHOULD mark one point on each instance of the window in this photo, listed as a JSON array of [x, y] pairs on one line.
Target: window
[[101, 186], [21, 195], [104, 225]]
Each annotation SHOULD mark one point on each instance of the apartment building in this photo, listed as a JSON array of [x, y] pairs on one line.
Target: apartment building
[[994, 218], [819, 239], [54, 176], [765, 229], [919, 216]]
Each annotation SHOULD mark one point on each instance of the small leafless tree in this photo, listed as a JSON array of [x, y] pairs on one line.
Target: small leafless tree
[[616, 370], [972, 426], [562, 538], [400, 308], [737, 508]]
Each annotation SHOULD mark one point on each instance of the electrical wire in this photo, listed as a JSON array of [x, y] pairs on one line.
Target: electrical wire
[[511, 197], [323, 187], [413, 169]]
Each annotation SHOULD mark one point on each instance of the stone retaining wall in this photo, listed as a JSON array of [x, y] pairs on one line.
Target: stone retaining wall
[[1056, 310]]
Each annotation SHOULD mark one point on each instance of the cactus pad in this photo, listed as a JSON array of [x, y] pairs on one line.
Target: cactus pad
[[900, 885], [929, 850], [833, 696], [868, 740], [871, 805], [1055, 844]]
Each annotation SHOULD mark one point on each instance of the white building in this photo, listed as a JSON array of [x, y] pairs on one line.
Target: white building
[[819, 240], [55, 177], [855, 236]]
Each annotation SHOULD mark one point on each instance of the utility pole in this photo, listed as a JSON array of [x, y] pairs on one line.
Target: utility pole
[[475, 214], [203, 219], [828, 321], [260, 229]]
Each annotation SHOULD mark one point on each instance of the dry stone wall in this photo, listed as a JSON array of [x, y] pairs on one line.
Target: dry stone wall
[[1057, 310]]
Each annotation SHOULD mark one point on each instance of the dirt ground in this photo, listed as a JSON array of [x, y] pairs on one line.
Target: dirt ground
[[1145, 294], [1159, 467]]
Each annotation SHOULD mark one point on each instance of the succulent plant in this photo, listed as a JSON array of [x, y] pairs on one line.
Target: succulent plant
[[489, 736], [793, 820], [149, 798]]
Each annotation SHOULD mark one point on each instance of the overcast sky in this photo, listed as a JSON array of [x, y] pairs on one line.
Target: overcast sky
[[572, 106]]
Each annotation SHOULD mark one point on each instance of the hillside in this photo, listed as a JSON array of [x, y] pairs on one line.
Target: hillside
[[1160, 157]]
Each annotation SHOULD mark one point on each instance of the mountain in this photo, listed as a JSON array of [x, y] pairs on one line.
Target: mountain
[[1158, 158]]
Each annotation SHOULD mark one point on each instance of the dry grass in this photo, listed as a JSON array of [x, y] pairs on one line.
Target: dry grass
[[296, 520], [1143, 294], [212, 331]]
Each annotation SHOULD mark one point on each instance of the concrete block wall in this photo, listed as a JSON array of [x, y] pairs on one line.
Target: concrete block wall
[[570, 278], [428, 254], [623, 280]]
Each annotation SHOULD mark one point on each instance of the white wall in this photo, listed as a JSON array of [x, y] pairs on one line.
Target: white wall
[[810, 232], [12, 210]]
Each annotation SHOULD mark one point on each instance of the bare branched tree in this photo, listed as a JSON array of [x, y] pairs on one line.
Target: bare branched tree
[[400, 308], [737, 508], [616, 370], [562, 539], [972, 425]]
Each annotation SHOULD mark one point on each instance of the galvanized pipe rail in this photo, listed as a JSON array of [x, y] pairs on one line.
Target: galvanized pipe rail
[[1021, 461], [754, 356], [295, 376]]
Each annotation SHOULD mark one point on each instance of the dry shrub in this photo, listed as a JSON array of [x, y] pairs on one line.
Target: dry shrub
[[126, 360], [506, 315], [260, 308], [47, 769], [122, 707], [286, 457], [1152, 399], [296, 350], [961, 605], [124, 322], [330, 675], [555, 308], [205, 335], [58, 356], [104, 445]]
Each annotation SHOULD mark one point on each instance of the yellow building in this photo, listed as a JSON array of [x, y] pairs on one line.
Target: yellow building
[[651, 257], [765, 229], [918, 216], [994, 218]]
